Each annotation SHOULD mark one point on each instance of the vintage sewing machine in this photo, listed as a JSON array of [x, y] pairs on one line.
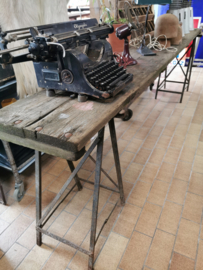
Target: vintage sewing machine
[[73, 56]]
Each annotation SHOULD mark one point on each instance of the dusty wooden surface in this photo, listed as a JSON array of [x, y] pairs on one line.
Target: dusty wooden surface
[[67, 125]]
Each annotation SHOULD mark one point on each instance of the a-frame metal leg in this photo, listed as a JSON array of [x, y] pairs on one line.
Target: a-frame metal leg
[[191, 61], [38, 193], [189, 71], [116, 158], [77, 180], [41, 220], [157, 86], [96, 197], [187, 74]]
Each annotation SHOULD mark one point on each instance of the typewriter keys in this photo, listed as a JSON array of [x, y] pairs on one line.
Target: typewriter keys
[[67, 76]]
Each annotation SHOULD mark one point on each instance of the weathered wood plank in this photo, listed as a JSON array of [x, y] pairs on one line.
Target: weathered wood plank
[[43, 147], [68, 124], [58, 124], [27, 111]]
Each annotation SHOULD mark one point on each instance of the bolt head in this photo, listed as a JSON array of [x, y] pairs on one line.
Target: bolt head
[[38, 128], [68, 135], [18, 122]]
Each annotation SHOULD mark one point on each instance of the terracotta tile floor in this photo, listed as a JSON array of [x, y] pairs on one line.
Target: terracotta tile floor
[[161, 225]]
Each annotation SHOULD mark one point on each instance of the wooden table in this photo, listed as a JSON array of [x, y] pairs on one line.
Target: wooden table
[[61, 126]]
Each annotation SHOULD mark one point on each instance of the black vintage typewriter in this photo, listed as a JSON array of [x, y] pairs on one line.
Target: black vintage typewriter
[[72, 56]]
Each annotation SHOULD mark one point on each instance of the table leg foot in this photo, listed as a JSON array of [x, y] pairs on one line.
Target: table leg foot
[[39, 238], [91, 263], [38, 191]]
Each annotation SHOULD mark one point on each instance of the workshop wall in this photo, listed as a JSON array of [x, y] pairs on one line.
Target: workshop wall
[[19, 14]]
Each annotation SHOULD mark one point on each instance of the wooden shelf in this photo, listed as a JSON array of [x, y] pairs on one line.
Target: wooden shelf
[[141, 11]]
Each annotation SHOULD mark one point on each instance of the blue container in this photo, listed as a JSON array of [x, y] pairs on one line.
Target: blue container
[[198, 12], [152, 2]]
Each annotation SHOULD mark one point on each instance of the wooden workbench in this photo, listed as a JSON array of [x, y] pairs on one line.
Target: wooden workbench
[[61, 126]]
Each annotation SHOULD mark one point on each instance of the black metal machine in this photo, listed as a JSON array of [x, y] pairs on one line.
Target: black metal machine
[[73, 56]]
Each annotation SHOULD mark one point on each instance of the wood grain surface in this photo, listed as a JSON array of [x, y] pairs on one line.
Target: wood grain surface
[[65, 124]]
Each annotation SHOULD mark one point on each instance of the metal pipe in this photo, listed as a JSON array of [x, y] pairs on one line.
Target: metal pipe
[[193, 52], [98, 29], [96, 196], [14, 49], [22, 33], [16, 30], [24, 37], [38, 188], [188, 68], [116, 158]]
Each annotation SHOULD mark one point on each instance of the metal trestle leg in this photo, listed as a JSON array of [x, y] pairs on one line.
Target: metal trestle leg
[[94, 235]]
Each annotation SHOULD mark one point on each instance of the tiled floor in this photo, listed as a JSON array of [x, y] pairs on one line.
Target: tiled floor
[[160, 227]]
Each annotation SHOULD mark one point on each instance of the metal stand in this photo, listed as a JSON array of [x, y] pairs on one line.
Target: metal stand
[[41, 220], [19, 185], [186, 83], [143, 49], [2, 195]]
